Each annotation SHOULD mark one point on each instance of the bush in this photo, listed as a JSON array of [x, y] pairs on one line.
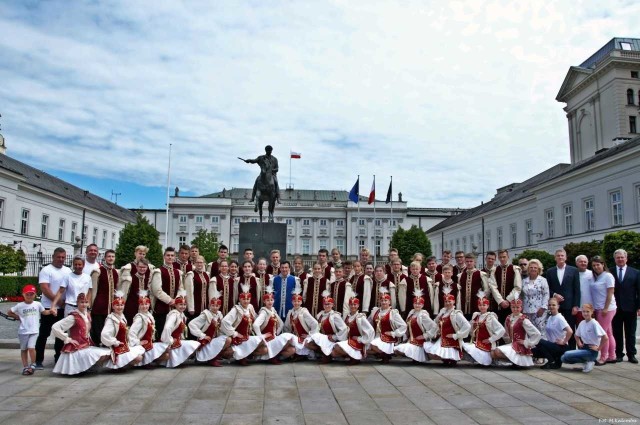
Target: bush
[[12, 260], [409, 242], [624, 239], [140, 233], [545, 258], [11, 286], [590, 249]]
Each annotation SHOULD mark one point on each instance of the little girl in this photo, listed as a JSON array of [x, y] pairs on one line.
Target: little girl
[[589, 337], [420, 328], [143, 329], [78, 353], [268, 325], [486, 331], [522, 334], [179, 350], [114, 335], [206, 328]]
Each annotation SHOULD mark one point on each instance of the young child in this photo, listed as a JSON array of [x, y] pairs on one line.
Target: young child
[[114, 335], [589, 336], [179, 349], [206, 328], [78, 353], [28, 312], [143, 329]]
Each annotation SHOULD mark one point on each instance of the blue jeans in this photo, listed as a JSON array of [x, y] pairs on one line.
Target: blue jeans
[[579, 356]]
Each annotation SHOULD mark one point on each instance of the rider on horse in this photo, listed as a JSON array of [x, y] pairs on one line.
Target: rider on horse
[[268, 165]]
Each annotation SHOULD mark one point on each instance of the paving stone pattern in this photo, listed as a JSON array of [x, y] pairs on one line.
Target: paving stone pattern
[[306, 393]]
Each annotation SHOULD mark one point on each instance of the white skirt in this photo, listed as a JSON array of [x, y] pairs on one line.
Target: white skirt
[[323, 342], [515, 358], [246, 348], [150, 356], [478, 355], [301, 350], [445, 353], [385, 347], [124, 359], [415, 352], [275, 346], [351, 352], [179, 355], [79, 361], [212, 349]]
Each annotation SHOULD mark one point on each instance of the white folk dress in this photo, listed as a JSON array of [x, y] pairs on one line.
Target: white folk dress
[[269, 322], [74, 360], [330, 325], [172, 334], [302, 324], [484, 326], [143, 328], [418, 324], [238, 325], [114, 332], [452, 322], [531, 337], [358, 326], [208, 324], [387, 321]]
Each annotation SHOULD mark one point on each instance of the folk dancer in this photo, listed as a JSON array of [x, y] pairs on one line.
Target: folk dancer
[[174, 331], [143, 332], [522, 334], [486, 331], [332, 329], [300, 323], [238, 324], [389, 326], [166, 281], [453, 328], [420, 329], [114, 335], [206, 328], [361, 333], [312, 290], [196, 283], [104, 281], [268, 325]]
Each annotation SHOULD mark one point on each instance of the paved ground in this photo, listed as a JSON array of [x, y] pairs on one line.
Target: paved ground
[[299, 393]]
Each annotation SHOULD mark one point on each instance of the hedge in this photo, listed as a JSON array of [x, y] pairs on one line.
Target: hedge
[[11, 286]]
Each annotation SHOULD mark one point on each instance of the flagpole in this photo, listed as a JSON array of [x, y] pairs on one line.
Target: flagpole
[[391, 221], [358, 226], [290, 167], [374, 221], [166, 224]]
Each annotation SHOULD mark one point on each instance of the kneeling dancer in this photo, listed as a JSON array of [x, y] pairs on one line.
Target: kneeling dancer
[[114, 335], [300, 323], [174, 330], [523, 335], [486, 330], [332, 329], [389, 326], [420, 329], [206, 328], [143, 331], [361, 333], [453, 328], [268, 325], [238, 325]]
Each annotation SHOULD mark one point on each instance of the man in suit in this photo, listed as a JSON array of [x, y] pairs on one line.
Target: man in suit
[[564, 285], [627, 293]]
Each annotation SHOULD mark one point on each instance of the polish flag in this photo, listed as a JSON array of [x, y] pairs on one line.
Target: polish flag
[[372, 195], [296, 155]]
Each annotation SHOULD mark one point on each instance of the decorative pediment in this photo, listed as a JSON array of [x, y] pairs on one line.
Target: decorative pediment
[[574, 77]]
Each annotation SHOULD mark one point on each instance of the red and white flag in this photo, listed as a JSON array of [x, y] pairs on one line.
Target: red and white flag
[[372, 195], [296, 155]]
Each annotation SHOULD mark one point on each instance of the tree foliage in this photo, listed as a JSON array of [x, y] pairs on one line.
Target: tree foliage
[[590, 249], [139, 233], [12, 260], [624, 239], [207, 243], [545, 258], [408, 242]]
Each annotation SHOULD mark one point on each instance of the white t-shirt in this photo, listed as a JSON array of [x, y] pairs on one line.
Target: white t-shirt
[[555, 327], [599, 291], [89, 267], [590, 332], [54, 277], [586, 279], [75, 284], [29, 317]]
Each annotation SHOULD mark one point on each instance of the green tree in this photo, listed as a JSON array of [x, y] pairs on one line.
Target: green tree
[[545, 258], [139, 233], [408, 242], [590, 249], [12, 260], [624, 239], [207, 243]]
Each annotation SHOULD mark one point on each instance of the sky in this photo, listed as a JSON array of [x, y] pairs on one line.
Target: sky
[[453, 99]]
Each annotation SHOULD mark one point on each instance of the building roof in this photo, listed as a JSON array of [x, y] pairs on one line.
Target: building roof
[[290, 194], [52, 184], [615, 43], [516, 191]]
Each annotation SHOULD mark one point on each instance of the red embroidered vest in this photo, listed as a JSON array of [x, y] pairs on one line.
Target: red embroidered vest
[[516, 332], [200, 289], [170, 287], [480, 333], [355, 331], [80, 333], [271, 326], [107, 282], [148, 335], [505, 278], [470, 284], [177, 335], [299, 330], [325, 326], [446, 328], [121, 336], [383, 324], [414, 331], [243, 329]]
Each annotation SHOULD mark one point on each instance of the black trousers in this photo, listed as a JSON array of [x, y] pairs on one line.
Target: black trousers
[[571, 321], [549, 350], [161, 319], [46, 323], [97, 324], [624, 326]]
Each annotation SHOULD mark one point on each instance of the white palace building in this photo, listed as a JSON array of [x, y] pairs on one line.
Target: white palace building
[[597, 193]]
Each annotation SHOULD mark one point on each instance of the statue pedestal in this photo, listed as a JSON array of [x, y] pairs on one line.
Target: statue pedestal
[[262, 238]]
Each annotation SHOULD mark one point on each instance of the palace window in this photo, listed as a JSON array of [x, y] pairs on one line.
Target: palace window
[[74, 231], [199, 219], [528, 225], [24, 225], [616, 208], [630, 97], [113, 240], [551, 225], [514, 235], [61, 229], [567, 212], [306, 247], [340, 223], [44, 226], [589, 215], [104, 238], [215, 219], [340, 244], [499, 236], [306, 222], [323, 222], [632, 125], [182, 218], [1, 210], [94, 238]]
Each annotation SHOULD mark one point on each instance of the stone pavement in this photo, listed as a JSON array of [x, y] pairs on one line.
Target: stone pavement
[[307, 393]]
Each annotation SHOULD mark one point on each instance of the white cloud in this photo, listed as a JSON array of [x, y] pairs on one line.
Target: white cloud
[[452, 99]]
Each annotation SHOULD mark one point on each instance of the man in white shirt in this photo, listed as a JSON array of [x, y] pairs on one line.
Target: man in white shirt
[[586, 279], [91, 259], [50, 279]]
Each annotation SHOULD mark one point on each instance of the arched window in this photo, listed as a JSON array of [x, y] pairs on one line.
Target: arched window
[[630, 97]]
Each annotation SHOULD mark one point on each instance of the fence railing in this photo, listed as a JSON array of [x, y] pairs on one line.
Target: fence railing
[[35, 262]]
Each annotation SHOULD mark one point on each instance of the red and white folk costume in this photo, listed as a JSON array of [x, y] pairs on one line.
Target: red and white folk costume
[[363, 284], [115, 335], [429, 288], [174, 330], [300, 323], [196, 283], [269, 322], [332, 328], [341, 292], [143, 328], [166, 281], [360, 332], [78, 353], [404, 289], [519, 328], [445, 288], [450, 322], [207, 328], [470, 282], [312, 289], [254, 288], [389, 326], [420, 329], [264, 280], [376, 285], [226, 286], [486, 330], [238, 324], [131, 283]]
